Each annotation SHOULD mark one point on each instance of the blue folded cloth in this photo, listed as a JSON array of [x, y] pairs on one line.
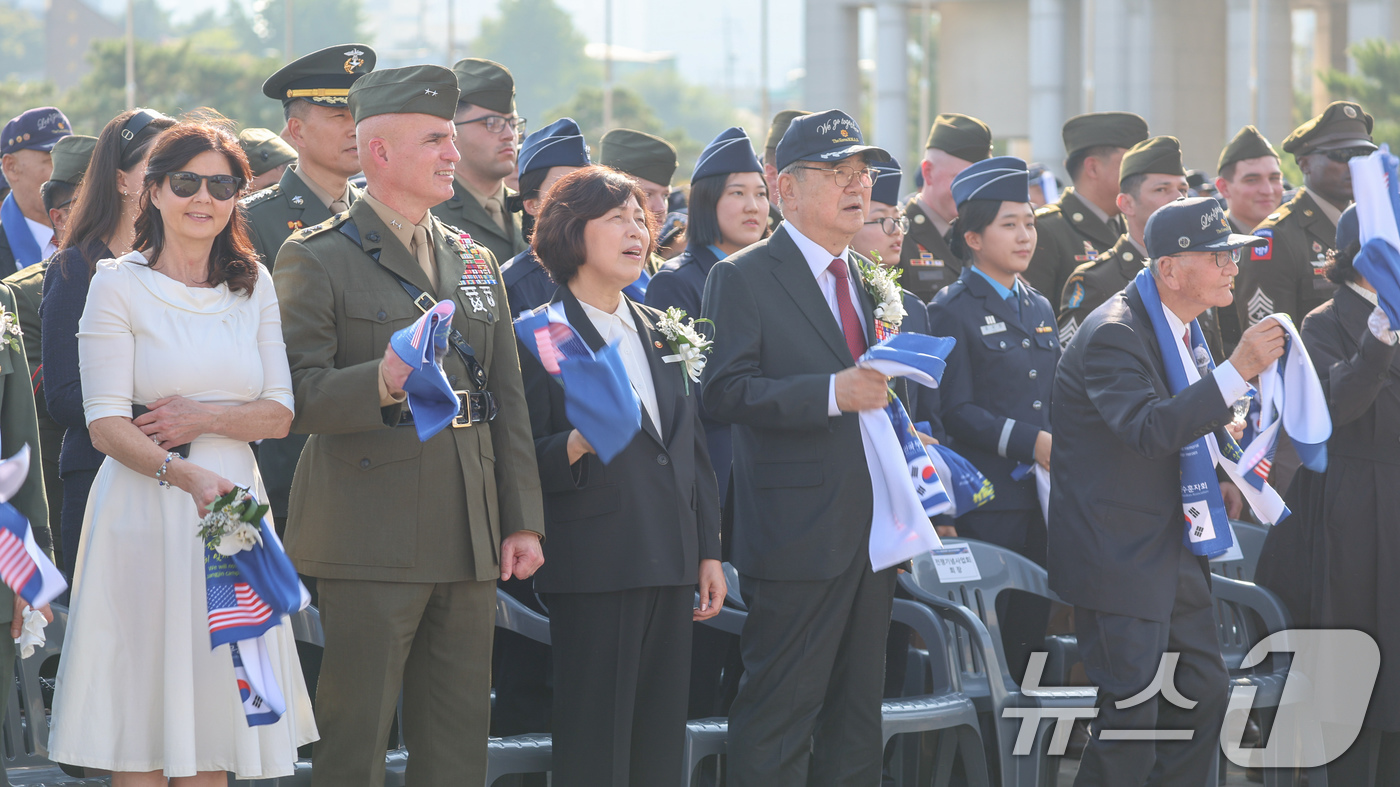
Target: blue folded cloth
[[422, 346]]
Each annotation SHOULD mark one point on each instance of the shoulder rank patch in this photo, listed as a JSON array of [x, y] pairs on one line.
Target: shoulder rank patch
[[1068, 330], [1076, 294], [1265, 252], [259, 197], [315, 229], [1259, 306]]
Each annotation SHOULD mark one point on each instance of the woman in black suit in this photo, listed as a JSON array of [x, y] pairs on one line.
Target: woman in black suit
[[630, 540], [1353, 348]]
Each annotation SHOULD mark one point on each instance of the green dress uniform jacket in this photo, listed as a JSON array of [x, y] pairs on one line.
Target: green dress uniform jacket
[[281, 209], [27, 286], [927, 263], [1094, 282], [369, 501], [1288, 274], [465, 212], [1069, 234]]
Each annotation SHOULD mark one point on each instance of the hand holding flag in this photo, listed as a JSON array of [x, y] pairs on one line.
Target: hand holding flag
[[422, 346]]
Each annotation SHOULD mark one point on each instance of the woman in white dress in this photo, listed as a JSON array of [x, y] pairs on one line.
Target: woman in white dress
[[187, 324]]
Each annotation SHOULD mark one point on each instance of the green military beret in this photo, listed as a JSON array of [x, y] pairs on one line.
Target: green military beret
[[963, 136], [1247, 144], [71, 155], [1103, 129], [322, 77], [781, 121], [1158, 156], [265, 150], [486, 84], [1343, 124], [639, 155], [427, 90]]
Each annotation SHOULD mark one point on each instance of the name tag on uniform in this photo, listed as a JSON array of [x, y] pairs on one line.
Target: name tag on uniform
[[955, 563], [996, 327]]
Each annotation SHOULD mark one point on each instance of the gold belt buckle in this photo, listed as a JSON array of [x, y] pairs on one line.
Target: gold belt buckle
[[424, 302], [463, 419]]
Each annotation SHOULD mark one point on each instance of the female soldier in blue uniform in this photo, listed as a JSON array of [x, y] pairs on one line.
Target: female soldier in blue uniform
[[996, 388]]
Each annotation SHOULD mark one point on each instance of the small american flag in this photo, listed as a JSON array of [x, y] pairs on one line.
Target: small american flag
[[231, 606], [16, 565]]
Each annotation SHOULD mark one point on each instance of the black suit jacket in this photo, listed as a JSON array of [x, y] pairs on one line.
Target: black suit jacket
[[650, 516], [1116, 523], [800, 487]]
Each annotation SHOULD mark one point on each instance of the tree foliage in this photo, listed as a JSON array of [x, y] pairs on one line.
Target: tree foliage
[[629, 111], [537, 41], [1375, 86], [21, 41]]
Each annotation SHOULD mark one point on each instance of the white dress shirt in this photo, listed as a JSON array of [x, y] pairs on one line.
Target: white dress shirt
[[619, 327], [1232, 385], [819, 259], [43, 235]]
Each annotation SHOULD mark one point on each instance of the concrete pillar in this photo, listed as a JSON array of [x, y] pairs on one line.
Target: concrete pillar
[[1047, 82], [832, 49], [982, 74], [892, 79], [1258, 67]]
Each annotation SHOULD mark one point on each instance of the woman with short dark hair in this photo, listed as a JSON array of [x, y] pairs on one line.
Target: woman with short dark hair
[[628, 540], [101, 225], [187, 327]]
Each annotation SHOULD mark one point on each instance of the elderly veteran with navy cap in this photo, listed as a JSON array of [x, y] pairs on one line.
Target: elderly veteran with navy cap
[[26, 236], [955, 142], [1083, 223], [995, 394], [488, 138], [791, 314], [405, 538], [313, 90], [547, 155], [1132, 402], [268, 156], [1289, 274]]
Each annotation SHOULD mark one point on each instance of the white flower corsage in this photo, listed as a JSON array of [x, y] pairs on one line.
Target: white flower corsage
[[9, 329], [233, 523], [883, 285], [688, 344]]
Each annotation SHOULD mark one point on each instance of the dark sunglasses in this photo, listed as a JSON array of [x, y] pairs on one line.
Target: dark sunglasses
[[221, 187], [1346, 154]]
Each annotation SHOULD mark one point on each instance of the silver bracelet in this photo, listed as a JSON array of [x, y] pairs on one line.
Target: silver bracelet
[[164, 468]]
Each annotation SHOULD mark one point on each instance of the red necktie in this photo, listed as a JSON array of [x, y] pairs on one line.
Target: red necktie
[[850, 321]]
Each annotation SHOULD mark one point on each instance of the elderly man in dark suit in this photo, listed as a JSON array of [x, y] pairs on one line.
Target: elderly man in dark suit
[[1116, 514], [791, 315]]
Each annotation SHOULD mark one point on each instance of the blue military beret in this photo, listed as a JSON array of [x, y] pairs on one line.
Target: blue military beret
[[1001, 178], [560, 144], [727, 153], [1348, 228], [887, 177]]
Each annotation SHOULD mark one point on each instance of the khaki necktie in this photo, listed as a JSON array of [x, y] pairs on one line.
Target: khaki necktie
[[493, 209], [423, 252], [339, 205]]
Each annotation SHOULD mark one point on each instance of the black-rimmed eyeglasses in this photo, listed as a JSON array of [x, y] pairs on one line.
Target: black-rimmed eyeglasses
[[495, 124], [891, 225]]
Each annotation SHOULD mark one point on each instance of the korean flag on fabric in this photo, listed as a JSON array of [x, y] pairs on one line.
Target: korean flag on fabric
[[247, 595], [966, 485], [598, 397], [904, 482], [23, 566], [1376, 187], [422, 346]]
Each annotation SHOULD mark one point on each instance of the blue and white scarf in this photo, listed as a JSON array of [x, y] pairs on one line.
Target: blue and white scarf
[[1207, 530], [26, 249], [1291, 398], [1376, 186]]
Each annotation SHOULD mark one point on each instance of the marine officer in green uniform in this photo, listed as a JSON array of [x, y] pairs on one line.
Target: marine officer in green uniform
[[954, 143], [268, 156], [1288, 274], [1151, 176], [71, 156], [776, 130], [405, 537], [652, 161], [1082, 224], [312, 90], [1250, 181], [488, 138]]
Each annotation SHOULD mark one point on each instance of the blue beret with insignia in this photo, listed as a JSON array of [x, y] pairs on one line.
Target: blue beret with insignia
[[887, 177], [560, 144], [726, 154], [1001, 178]]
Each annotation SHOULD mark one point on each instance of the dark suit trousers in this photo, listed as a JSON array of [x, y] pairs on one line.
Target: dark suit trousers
[[431, 640], [808, 710], [621, 680], [1121, 656], [76, 485]]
